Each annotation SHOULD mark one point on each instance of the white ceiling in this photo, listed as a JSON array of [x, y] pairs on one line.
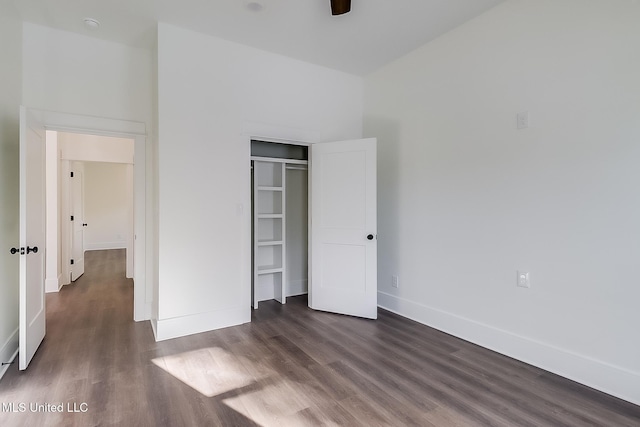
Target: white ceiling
[[374, 33]]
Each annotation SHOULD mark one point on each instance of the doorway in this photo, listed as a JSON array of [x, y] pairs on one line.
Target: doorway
[[100, 212], [94, 127], [91, 207], [279, 220]]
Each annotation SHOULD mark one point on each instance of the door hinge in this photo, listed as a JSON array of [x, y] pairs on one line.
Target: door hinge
[[71, 174], [71, 262], [71, 217]]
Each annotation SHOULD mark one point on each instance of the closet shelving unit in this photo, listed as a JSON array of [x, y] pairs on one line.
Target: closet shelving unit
[[269, 228]]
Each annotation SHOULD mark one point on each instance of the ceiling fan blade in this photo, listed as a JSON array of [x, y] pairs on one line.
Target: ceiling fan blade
[[338, 7]]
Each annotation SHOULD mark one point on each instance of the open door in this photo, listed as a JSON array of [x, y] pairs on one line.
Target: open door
[[343, 258], [76, 185], [32, 235]]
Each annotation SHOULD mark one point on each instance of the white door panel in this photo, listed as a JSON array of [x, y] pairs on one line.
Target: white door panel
[[351, 276], [78, 224], [32, 236], [343, 228], [343, 203]]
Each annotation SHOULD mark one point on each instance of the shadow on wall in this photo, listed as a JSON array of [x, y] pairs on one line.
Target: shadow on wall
[[9, 236], [9, 191], [9, 170], [387, 133]]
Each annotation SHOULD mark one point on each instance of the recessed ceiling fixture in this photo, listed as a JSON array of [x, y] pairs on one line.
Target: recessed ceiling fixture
[[255, 6], [92, 24], [339, 7]]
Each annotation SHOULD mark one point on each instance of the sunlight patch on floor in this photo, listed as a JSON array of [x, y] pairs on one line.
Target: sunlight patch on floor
[[246, 385], [273, 403], [210, 371]]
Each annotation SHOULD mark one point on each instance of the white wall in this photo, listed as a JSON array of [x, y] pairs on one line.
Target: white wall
[[10, 76], [465, 199], [297, 221], [93, 148], [71, 73], [211, 96], [153, 207], [107, 208]]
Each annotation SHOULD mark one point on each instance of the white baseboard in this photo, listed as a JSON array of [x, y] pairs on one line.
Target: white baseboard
[[265, 288], [610, 379], [99, 246], [8, 352], [53, 285], [148, 309], [297, 294], [154, 328], [142, 311], [297, 287], [203, 322]]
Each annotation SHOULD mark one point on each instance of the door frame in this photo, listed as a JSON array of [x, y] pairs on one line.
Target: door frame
[[75, 123], [253, 159]]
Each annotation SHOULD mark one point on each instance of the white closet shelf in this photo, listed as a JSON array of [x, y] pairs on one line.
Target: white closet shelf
[[269, 269], [279, 160], [269, 215], [270, 242]]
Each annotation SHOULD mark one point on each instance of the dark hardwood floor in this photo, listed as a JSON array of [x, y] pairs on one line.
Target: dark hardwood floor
[[290, 366]]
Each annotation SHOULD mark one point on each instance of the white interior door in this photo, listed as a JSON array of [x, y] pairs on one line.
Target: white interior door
[[32, 235], [343, 259], [77, 221]]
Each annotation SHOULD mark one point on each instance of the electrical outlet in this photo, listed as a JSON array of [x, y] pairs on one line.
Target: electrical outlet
[[523, 279], [522, 120], [394, 281]]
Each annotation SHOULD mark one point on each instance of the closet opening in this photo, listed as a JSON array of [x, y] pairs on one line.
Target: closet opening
[[280, 219]]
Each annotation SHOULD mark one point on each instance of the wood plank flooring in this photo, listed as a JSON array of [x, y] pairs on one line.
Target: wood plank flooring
[[290, 367]]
